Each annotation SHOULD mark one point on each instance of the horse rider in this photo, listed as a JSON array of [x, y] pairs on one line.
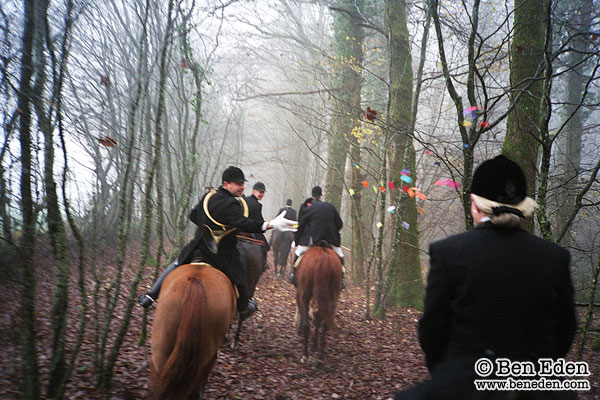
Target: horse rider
[[290, 213], [318, 222], [255, 212], [219, 215]]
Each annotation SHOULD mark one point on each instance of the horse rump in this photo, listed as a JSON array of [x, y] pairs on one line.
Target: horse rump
[[193, 315], [319, 275]]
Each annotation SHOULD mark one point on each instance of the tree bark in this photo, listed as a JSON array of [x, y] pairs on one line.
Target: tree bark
[[30, 377], [576, 81], [522, 139], [56, 227], [405, 282], [347, 109]]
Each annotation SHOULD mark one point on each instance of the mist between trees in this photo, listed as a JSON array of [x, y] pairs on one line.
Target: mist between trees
[[117, 115]]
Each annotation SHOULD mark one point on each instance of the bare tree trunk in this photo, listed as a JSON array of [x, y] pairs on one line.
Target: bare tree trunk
[[347, 110], [190, 165], [379, 307], [30, 377], [405, 282], [356, 212], [56, 228], [5, 198], [547, 140], [4, 202], [576, 82], [521, 142]]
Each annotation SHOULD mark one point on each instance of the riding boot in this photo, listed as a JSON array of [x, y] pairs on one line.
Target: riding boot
[[151, 295], [245, 306], [343, 273], [292, 276]]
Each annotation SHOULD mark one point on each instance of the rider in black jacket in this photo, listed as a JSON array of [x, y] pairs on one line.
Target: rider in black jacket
[[221, 213]]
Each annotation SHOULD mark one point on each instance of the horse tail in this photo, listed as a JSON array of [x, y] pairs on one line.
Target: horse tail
[[328, 285], [187, 367]]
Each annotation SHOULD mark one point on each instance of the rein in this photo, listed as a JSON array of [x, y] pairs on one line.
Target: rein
[[249, 240]]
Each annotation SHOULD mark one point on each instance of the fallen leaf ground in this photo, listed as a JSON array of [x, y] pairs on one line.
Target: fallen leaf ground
[[365, 359]]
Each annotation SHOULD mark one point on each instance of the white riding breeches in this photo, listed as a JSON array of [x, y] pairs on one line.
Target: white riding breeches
[[302, 249]]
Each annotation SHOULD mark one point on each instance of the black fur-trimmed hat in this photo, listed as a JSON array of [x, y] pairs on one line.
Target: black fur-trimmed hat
[[233, 174], [316, 191], [259, 186], [501, 180]]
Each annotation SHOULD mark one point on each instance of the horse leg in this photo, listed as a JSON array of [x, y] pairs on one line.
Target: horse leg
[[322, 347], [304, 329], [236, 340], [318, 325]]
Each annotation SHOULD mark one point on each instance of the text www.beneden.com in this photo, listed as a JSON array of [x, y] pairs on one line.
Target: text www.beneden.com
[[532, 384]]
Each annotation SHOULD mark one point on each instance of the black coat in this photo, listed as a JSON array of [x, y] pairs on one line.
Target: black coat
[[255, 212], [227, 210], [319, 221], [493, 292], [290, 213], [254, 207]]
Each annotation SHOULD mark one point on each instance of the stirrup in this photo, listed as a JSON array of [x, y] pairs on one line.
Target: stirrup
[[249, 310], [145, 300], [292, 278]]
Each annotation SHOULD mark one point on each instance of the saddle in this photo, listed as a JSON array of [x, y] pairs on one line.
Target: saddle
[[323, 243]]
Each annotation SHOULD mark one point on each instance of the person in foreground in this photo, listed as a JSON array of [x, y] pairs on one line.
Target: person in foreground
[[222, 212], [494, 292]]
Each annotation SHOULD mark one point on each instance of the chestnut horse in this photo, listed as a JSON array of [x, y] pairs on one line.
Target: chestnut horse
[[319, 276], [197, 304]]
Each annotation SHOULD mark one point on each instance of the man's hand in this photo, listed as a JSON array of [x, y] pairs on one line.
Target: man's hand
[[284, 225]]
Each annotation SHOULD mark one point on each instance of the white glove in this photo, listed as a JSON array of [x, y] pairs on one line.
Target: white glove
[[284, 225]]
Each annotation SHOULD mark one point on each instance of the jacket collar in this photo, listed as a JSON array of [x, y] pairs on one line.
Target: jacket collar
[[225, 192], [485, 225], [490, 225]]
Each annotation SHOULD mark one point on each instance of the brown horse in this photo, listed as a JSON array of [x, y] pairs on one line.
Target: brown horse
[[282, 242], [319, 276], [253, 260], [197, 304]]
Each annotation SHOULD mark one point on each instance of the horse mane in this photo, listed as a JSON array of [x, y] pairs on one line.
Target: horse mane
[[178, 378]]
